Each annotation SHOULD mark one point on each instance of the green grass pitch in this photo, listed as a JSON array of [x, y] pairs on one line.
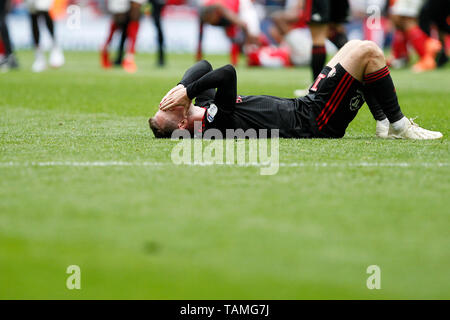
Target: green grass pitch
[[210, 232]]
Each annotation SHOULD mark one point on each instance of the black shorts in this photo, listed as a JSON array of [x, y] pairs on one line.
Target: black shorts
[[333, 102], [326, 11]]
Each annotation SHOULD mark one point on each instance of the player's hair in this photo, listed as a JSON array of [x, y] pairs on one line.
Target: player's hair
[[161, 132]]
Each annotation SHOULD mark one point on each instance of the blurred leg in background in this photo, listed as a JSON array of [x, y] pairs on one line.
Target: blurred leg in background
[[326, 19], [157, 7], [123, 39], [9, 61], [435, 16], [39, 13], [2, 49], [119, 22], [129, 65], [240, 20], [404, 15]]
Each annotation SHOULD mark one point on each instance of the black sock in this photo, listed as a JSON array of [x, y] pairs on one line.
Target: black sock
[[374, 106], [319, 55], [381, 86], [442, 57], [339, 39], [156, 14], [35, 29], [49, 23], [123, 39]]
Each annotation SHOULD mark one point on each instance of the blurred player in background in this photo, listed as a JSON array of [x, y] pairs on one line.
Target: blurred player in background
[[157, 7], [436, 13], [238, 17], [326, 19], [39, 10], [134, 15], [9, 60], [404, 15], [133, 25], [119, 22], [126, 16], [284, 21]]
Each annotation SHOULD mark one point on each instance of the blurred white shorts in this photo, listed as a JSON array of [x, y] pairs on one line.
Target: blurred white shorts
[[118, 6], [39, 5], [407, 8], [121, 6]]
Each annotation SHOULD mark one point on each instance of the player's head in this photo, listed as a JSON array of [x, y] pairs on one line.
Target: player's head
[[163, 123]]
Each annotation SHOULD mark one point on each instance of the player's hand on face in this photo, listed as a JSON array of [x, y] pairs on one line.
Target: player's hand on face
[[176, 98], [170, 92]]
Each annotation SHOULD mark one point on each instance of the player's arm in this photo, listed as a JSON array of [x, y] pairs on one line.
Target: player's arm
[[195, 72], [222, 79]]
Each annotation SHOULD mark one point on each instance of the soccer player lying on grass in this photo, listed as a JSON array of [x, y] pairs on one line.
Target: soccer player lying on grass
[[358, 70]]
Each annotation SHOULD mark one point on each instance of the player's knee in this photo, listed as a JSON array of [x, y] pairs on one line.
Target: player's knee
[[352, 44], [370, 50]]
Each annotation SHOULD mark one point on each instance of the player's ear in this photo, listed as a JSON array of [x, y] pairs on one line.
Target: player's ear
[[183, 124]]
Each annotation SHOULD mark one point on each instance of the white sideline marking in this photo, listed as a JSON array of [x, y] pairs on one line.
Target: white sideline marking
[[202, 164]]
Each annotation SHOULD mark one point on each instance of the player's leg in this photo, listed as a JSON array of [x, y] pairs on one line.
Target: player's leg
[[337, 35], [49, 23], [208, 14], [119, 14], [317, 14], [9, 60], [319, 33], [436, 12], [400, 57], [366, 63], [123, 39], [338, 16], [39, 64], [2, 49], [129, 64], [35, 28], [104, 53], [157, 7], [406, 13], [199, 53], [56, 59], [382, 123]]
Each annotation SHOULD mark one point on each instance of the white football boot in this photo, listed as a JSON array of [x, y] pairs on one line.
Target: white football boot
[[56, 57], [412, 131], [39, 63], [382, 129]]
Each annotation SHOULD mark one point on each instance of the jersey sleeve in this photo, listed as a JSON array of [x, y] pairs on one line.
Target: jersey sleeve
[[222, 79], [195, 72]]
